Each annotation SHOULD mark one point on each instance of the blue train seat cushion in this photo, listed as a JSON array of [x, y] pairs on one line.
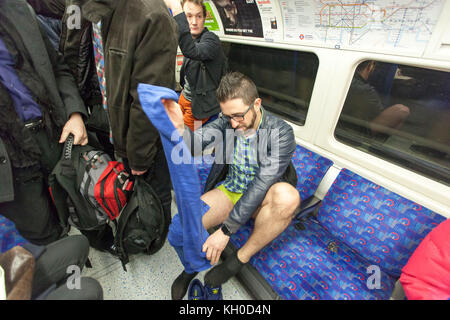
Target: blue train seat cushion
[[380, 225], [360, 225], [311, 168], [300, 265], [9, 236]]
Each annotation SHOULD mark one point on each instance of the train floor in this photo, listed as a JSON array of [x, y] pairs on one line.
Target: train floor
[[148, 277]]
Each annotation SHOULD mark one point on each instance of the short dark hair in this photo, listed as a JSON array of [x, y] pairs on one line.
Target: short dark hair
[[197, 2], [235, 85]]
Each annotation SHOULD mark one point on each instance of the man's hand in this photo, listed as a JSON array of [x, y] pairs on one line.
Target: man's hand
[[75, 125], [175, 115], [214, 246]]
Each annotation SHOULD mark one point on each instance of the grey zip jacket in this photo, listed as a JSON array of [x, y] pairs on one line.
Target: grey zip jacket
[[275, 147]]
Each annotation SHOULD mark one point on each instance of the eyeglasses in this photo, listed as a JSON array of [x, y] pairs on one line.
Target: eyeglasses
[[236, 117]]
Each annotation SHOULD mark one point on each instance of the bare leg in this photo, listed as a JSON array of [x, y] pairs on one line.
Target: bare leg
[[392, 117], [272, 219], [220, 207]]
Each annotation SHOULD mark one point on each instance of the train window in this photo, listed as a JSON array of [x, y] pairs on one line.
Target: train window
[[285, 79], [401, 114]]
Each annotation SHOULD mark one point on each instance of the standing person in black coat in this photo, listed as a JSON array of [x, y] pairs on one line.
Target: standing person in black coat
[[39, 107], [75, 43], [204, 62]]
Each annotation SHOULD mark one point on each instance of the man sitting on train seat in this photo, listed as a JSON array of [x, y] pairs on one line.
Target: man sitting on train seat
[[39, 107], [253, 151], [363, 107]]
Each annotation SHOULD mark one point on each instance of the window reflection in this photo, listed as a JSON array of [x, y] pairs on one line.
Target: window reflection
[[285, 79], [402, 114]]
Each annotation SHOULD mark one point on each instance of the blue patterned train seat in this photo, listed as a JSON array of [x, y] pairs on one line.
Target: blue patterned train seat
[[311, 168], [9, 236], [359, 225], [311, 264], [380, 225]]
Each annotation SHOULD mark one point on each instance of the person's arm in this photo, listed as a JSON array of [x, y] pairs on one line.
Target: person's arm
[[208, 136]]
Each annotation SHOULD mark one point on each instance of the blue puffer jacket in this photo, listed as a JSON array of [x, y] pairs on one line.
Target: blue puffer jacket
[[276, 145]]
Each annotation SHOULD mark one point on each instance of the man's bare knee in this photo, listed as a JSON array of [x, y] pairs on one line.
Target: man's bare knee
[[285, 198], [401, 111]]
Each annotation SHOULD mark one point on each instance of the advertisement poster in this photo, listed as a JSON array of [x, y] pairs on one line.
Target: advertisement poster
[[211, 21], [271, 20], [299, 19], [240, 17]]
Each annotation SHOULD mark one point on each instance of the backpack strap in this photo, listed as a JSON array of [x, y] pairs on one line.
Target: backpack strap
[[67, 167], [68, 145], [141, 202], [130, 207]]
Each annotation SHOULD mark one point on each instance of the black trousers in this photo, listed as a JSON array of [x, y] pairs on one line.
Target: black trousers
[[51, 271], [32, 209]]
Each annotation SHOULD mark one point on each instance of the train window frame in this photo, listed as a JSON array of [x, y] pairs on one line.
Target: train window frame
[[296, 116], [413, 160]]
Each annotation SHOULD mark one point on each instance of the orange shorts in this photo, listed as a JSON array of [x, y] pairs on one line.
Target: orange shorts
[[188, 117]]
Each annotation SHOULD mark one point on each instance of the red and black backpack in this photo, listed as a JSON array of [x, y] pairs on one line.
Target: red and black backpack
[[91, 191], [105, 184]]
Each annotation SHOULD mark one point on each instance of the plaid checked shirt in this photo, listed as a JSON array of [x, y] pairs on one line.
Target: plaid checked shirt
[[245, 164]]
